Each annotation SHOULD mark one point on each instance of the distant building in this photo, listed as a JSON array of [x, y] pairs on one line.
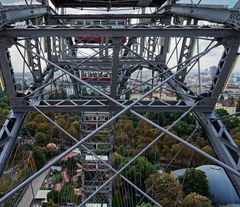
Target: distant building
[[213, 71], [206, 71], [40, 198], [227, 106]]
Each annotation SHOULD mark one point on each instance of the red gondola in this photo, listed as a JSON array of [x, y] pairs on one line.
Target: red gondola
[[96, 76], [116, 22]]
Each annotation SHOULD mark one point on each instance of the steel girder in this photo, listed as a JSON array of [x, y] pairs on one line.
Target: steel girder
[[11, 14], [185, 53], [221, 140], [105, 105], [204, 12], [8, 136], [7, 75], [127, 31], [101, 62], [225, 67], [34, 61], [115, 67], [12, 126], [107, 16], [223, 144]]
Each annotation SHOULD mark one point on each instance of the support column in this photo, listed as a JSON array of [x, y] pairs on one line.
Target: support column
[[8, 137], [94, 171], [115, 66], [185, 54]]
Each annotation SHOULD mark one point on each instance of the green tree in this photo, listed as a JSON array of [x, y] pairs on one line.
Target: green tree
[[182, 128], [196, 200], [231, 123], [195, 181], [53, 196], [138, 171], [221, 112], [164, 188], [67, 194], [41, 139], [238, 105], [58, 177], [39, 156]]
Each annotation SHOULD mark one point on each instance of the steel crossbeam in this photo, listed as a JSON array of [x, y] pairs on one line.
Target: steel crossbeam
[[11, 14], [107, 16], [104, 105], [204, 12], [185, 53], [125, 31], [8, 136]]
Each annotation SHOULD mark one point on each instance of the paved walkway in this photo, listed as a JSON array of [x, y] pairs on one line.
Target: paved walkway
[[36, 185]]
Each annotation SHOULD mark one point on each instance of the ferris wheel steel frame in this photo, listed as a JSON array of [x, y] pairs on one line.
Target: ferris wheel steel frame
[[201, 105]]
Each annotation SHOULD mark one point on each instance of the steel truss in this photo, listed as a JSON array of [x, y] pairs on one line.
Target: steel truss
[[121, 60]]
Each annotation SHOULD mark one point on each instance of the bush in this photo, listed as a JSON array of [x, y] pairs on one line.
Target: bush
[[195, 181], [164, 188], [196, 200]]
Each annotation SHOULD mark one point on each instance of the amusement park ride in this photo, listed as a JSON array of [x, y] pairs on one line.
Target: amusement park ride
[[101, 53]]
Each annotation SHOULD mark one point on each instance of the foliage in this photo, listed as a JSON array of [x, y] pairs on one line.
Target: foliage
[[41, 139], [138, 171], [164, 188], [4, 106], [231, 123], [4, 102], [71, 165], [40, 156], [221, 112], [66, 195], [165, 119], [196, 200], [58, 177], [195, 181], [53, 196], [182, 128], [238, 105]]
